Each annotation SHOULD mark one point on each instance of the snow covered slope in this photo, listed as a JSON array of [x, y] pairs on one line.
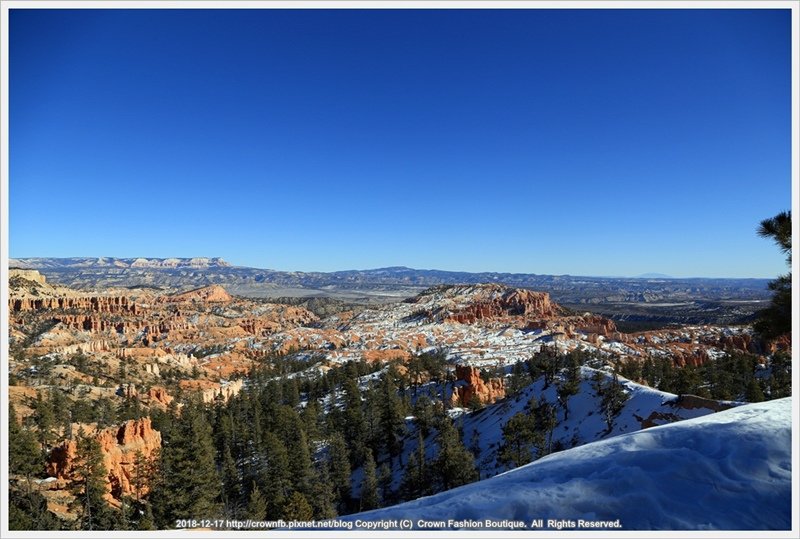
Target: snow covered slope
[[581, 423], [729, 470]]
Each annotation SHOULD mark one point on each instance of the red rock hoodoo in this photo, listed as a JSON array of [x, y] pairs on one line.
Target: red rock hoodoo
[[486, 392]]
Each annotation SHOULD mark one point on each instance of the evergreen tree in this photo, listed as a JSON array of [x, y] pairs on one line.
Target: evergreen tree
[[392, 422], [754, 392], [147, 521], [776, 319], [369, 484], [614, 398], [454, 465], [340, 470], [519, 437], [321, 496], [385, 483], [518, 379], [546, 422], [256, 504], [687, 380], [415, 480], [231, 492], [189, 483], [298, 508], [24, 453], [300, 467], [310, 416], [424, 413], [570, 385], [90, 488], [780, 378], [27, 511], [355, 427], [45, 421], [276, 479]]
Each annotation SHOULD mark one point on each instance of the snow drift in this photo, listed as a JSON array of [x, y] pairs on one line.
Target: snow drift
[[728, 471]]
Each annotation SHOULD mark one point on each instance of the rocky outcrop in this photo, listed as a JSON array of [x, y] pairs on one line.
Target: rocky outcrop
[[211, 391], [780, 344], [467, 304], [119, 447], [207, 294], [27, 274], [159, 395], [469, 385], [98, 324], [101, 345], [523, 303], [97, 304], [280, 318]]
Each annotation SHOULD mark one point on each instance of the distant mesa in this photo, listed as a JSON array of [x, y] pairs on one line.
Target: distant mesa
[[654, 276], [111, 262]]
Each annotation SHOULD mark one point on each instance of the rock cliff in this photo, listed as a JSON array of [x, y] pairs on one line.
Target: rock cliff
[[119, 447], [469, 384]]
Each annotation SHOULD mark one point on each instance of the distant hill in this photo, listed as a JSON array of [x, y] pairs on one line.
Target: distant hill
[[672, 300], [654, 276]]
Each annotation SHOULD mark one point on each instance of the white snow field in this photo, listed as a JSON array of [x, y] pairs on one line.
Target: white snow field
[[729, 470]]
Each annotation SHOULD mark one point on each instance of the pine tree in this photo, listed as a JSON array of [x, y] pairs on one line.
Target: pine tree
[[546, 422], [90, 488], [754, 392], [613, 401], [276, 479], [189, 482], [454, 465], [385, 483], [45, 421], [776, 319], [27, 509], [519, 437], [256, 504], [231, 491], [310, 416], [321, 496], [147, 522], [392, 422], [570, 385], [300, 466], [424, 414], [415, 480], [298, 508], [369, 484], [24, 453], [355, 426], [340, 470]]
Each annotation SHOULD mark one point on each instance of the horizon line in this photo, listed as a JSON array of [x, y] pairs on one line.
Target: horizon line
[[643, 276]]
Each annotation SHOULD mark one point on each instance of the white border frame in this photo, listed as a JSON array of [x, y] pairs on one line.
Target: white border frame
[[5, 6]]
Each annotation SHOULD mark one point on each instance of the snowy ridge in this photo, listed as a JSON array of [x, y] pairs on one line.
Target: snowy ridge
[[727, 471], [582, 423]]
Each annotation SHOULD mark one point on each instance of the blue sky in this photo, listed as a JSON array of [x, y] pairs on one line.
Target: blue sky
[[583, 142]]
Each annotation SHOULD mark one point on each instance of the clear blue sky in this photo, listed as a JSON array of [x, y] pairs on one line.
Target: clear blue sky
[[584, 142]]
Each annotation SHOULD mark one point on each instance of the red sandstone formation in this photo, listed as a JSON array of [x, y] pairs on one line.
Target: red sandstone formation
[[159, 395], [97, 304], [486, 392], [207, 294], [513, 302], [119, 447]]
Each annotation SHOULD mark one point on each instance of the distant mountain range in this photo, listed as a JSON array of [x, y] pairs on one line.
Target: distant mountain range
[[697, 299]]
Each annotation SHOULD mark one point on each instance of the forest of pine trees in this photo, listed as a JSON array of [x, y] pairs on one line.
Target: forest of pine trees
[[303, 448]]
